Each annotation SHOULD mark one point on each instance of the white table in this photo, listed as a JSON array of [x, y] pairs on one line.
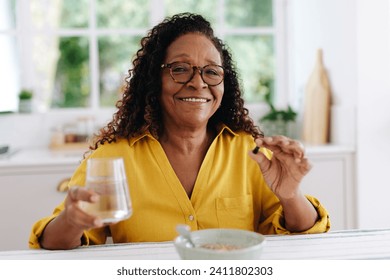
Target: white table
[[349, 244]]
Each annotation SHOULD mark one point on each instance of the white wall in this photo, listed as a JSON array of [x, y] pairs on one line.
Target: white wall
[[373, 99], [355, 38], [331, 26]]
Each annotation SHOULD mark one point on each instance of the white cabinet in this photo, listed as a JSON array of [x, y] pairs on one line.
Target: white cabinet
[[331, 180], [28, 192]]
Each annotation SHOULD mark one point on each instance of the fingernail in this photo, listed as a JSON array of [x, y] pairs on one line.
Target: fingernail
[[256, 150], [94, 198]]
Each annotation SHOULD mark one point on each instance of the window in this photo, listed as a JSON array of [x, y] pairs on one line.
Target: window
[[8, 57], [76, 53]]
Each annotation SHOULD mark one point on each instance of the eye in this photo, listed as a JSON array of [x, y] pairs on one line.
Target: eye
[[180, 68], [213, 71]]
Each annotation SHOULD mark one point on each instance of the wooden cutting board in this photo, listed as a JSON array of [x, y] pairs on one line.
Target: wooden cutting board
[[316, 115]]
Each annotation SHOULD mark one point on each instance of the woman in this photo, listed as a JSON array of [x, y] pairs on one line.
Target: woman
[[186, 140]]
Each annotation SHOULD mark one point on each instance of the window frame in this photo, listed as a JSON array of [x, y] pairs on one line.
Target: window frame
[[25, 33]]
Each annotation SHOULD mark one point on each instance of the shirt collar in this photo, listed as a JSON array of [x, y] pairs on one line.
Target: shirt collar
[[220, 129], [135, 139]]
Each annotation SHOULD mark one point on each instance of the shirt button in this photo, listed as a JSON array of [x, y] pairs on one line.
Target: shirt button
[[191, 217]]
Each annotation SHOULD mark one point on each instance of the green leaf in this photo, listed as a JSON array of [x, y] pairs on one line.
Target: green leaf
[[285, 115], [25, 94]]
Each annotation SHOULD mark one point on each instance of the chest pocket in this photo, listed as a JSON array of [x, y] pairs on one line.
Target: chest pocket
[[235, 212]]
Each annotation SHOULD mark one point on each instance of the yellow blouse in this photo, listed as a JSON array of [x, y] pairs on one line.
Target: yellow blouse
[[229, 192]]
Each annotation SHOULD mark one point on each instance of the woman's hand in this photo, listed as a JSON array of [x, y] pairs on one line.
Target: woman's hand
[[74, 215], [66, 230], [284, 172]]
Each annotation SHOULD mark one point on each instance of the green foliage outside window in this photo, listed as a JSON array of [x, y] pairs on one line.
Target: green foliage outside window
[[206, 8], [74, 13], [72, 77], [123, 14], [264, 88], [249, 13], [252, 53], [115, 56]]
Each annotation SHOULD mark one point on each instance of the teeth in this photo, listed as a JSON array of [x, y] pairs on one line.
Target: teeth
[[202, 100]]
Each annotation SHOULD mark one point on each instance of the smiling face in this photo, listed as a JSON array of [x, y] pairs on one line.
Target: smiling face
[[192, 104]]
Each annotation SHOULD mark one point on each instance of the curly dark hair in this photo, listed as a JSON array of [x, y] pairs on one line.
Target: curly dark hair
[[139, 110]]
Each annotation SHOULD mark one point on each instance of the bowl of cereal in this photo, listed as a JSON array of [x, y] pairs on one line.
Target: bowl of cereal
[[220, 244]]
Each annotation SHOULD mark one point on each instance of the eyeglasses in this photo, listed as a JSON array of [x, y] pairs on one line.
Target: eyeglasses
[[183, 72]]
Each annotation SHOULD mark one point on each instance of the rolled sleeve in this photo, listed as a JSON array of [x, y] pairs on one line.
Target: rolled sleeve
[[89, 237], [322, 224], [37, 231]]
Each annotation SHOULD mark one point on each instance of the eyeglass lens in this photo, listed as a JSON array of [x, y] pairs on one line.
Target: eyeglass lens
[[183, 72]]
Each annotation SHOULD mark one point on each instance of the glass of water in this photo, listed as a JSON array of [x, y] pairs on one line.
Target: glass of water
[[107, 177]]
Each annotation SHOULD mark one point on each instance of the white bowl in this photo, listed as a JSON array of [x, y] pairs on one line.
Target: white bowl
[[243, 244]]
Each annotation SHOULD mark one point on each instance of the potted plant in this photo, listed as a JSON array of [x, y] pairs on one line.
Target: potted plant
[[25, 101], [276, 121], [279, 122]]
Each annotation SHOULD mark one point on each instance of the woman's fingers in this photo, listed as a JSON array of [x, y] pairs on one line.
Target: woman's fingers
[[80, 219], [282, 144], [305, 166], [74, 214], [288, 165], [79, 193], [261, 159]]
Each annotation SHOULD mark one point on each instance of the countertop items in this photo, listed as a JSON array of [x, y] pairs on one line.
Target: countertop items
[[73, 135], [317, 100], [3, 149]]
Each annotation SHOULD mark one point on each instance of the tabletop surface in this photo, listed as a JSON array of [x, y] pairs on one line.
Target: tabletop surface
[[347, 244]]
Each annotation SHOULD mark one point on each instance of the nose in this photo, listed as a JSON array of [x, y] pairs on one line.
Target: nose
[[197, 78]]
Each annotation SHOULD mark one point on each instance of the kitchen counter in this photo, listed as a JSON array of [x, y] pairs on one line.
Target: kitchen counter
[[329, 149], [40, 156]]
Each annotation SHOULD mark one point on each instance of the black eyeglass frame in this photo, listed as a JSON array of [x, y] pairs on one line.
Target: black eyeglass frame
[[193, 67]]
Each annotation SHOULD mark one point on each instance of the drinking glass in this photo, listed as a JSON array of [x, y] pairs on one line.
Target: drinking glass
[[107, 177]]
